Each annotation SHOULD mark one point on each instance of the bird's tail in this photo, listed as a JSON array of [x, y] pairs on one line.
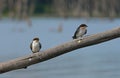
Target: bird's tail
[[74, 37]]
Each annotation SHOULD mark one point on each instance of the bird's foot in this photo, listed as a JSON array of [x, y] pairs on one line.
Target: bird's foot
[[80, 38]]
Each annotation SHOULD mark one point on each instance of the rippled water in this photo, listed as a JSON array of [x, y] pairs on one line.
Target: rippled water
[[98, 61]]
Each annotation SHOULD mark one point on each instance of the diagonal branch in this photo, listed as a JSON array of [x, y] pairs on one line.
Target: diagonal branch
[[26, 61]]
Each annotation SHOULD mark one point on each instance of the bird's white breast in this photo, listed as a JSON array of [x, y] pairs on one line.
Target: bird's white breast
[[81, 32], [35, 46]]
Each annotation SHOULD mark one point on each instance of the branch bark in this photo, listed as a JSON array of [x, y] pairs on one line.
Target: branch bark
[[31, 59]]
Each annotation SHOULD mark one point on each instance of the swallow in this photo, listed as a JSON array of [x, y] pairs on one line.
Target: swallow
[[35, 46], [80, 32]]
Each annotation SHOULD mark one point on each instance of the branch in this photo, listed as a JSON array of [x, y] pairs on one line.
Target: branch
[[31, 59]]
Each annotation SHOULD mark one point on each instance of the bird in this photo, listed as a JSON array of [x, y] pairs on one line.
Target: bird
[[35, 46], [80, 32]]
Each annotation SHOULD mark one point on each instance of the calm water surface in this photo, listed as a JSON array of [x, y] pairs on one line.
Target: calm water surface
[[98, 61]]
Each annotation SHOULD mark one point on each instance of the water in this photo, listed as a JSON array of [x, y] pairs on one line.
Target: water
[[98, 61]]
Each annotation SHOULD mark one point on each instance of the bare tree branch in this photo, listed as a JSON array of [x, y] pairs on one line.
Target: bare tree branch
[[26, 61]]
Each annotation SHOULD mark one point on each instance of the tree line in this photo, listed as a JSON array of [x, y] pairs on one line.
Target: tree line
[[64, 8]]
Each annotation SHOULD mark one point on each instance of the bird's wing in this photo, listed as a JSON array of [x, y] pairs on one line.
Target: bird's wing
[[86, 31], [40, 45], [31, 46], [76, 32]]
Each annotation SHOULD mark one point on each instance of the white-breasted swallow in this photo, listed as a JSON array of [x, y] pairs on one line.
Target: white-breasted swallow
[[81, 30], [35, 46]]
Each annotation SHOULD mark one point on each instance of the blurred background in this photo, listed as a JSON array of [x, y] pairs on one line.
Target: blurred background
[[54, 22], [62, 8]]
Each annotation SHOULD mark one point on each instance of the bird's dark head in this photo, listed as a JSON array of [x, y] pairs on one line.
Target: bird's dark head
[[37, 39], [83, 25]]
